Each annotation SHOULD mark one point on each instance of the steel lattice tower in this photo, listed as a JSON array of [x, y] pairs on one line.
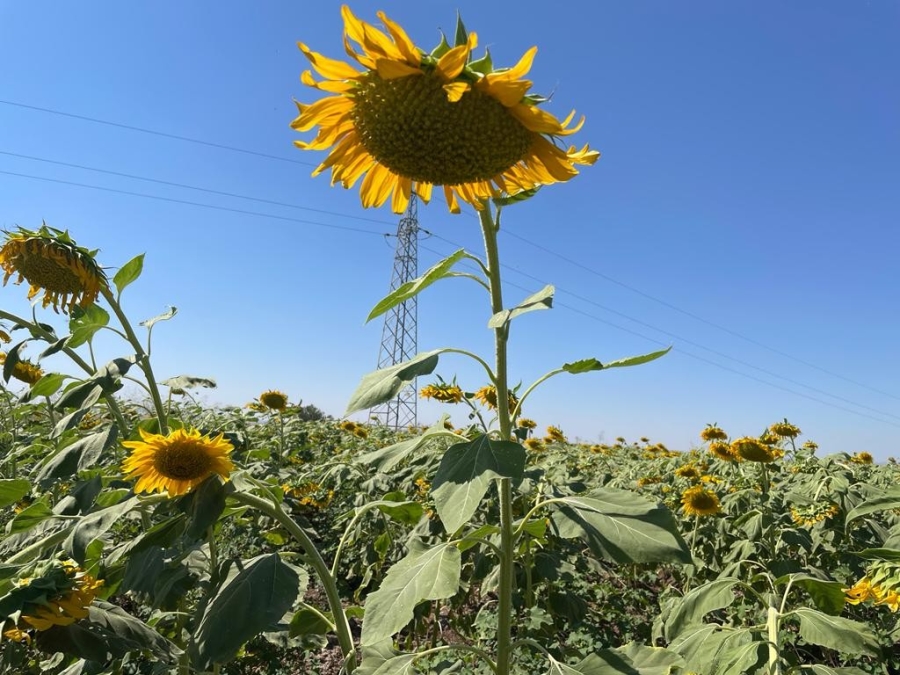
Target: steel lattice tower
[[400, 333]]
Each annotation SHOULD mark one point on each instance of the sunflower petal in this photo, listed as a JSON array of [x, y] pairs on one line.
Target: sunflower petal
[[455, 90], [331, 69], [406, 46], [389, 69], [451, 64]]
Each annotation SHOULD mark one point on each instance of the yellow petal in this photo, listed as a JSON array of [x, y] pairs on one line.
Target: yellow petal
[[455, 90], [451, 64], [389, 69], [450, 196], [321, 111], [377, 186], [328, 68], [406, 46], [332, 86], [423, 190], [508, 92], [535, 119], [401, 194]]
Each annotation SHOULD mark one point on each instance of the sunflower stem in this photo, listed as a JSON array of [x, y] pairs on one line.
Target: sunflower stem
[[143, 360], [341, 625], [489, 229]]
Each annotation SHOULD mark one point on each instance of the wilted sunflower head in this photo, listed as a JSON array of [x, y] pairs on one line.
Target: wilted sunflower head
[[700, 501], [713, 433], [24, 370], [177, 462], [862, 458], [410, 120], [488, 397], [4, 336], [50, 261], [274, 400], [443, 392], [525, 423], [752, 450], [688, 471], [785, 430], [535, 444], [555, 435]]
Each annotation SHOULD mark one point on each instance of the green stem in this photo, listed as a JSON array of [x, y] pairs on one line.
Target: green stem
[[342, 626], [143, 359], [489, 230], [774, 646]]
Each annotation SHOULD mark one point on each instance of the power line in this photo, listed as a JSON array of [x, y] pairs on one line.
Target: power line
[[190, 203], [708, 361], [562, 257], [154, 132], [192, 187]]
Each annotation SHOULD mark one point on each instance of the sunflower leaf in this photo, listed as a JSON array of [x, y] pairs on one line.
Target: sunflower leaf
[[442, 48], [462, 36], [484, 65], [416, 286], [382, 385], [48, 385], [12, 490], [637, 360], [165, 316], [835, 632], [543, 299], [129, 272], [85, 323]]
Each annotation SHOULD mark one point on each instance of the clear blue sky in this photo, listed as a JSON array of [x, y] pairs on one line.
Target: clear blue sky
[[749, 177]]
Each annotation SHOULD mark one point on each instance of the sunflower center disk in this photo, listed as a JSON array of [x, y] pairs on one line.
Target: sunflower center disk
[[42, 268], [184, 460], [410, 127]]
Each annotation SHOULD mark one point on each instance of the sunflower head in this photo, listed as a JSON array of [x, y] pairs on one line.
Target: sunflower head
[[862, 458], [785, 430], [177, 462], [4, 336], [700, 501], [24, 370], [274, 400], [443, 392], [408, 120], [555, 435], [535, 444], [713, 433], [525, 423], [688, 471], [487, 396], [51, 262], [752, 450]]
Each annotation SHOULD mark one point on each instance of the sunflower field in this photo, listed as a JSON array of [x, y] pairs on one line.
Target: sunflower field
[[147, 533]]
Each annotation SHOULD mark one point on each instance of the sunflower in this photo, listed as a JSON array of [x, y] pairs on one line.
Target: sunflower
[[862, 458], [713, 433], [700, 501], [488, 397], [274, 400], [409, 120], [177, 462], [525, 423], [443, 392], [752, 450], [688, 471], [50, 261], [535, 444], [554, 435], [24, 370], [785, 429], [50, 593], [4, 336]]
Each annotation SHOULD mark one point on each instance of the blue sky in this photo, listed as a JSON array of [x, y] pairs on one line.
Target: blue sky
[[748, 182]]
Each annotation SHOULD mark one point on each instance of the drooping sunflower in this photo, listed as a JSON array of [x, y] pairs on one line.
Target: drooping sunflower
[[785, 429], [700, 501], [443, 392], [24, 370], [688, 471], [713, 433], [49, 593], [488, 397], [526, 423], [4, 336], [274, 400], [411, 120], [554, 435], [177, 462], [752, 450], [50, 261], [862, 458]]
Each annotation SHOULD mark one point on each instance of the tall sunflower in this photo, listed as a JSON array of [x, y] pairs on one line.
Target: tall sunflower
[[411, 120], [177, 462], [699, 501], [50, 261]]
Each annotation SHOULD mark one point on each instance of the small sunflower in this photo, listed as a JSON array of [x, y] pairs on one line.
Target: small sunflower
[[688, 471], [648, 480], [700, 501], [177, 462], [862, 458], [785, 429], [713, 433], [24, 370], [809, 515], [410, 120], [443, 392], [554, 435], [274, 400], [4, 336], [535, 444], [50, 261], [812, 446], [525, 423], [752, 450], [488, 397]]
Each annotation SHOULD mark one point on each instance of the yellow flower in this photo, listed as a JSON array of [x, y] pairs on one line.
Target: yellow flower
[[648, 480], [4, 336], [50, 261], [688, 471], [410, 120], [443, 392], [713, 433], [752, 450], [859, 592], [177, 462], [722, 451], [862, 458], [812, 446], [310, 494], [349, 426], [24, 370], [699, 501], [535, 444], [525, 423], [807, 516], [274, 400], [554, 435], [488, 397], [785, 430]]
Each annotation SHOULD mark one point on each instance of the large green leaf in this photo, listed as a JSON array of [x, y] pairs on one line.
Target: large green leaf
[[650, 660], [385, 459], [821, 669], [424, 574], [606, 662], [711, 650], [108, 632], [48, 385], [416, 286], [12, 490], [29, 517], [78, 456], [621, 526], [691, 609], [85, 322], [401, 664], [96, 525], [165, 316], [466, 472], [249, 602], [882, 502], [543, 299], [587, 365], [129, 272], [835, 632], [382, 385], [828, 596]]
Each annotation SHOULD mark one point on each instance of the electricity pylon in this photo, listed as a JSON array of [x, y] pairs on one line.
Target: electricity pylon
[[400, 332]]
